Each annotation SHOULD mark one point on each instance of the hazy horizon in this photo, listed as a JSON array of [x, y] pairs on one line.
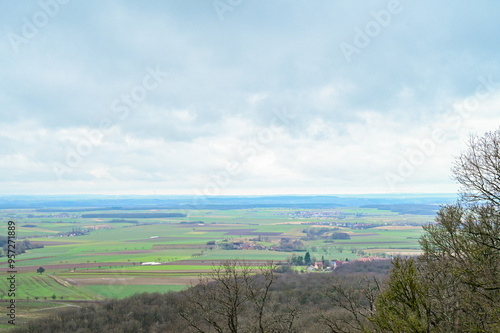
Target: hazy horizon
[[357, 195]]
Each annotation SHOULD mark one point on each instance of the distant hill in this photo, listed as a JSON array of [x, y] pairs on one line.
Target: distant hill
[[102, 202]]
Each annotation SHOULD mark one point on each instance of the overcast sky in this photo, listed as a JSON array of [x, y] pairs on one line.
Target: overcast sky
[[243, 97]]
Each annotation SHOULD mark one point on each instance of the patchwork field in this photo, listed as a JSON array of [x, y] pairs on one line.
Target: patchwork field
[[91, 258]]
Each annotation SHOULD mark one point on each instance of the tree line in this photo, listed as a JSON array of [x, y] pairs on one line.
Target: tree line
[[21, 246]]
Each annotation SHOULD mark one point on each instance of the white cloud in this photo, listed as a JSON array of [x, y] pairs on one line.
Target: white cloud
[[353, 122]]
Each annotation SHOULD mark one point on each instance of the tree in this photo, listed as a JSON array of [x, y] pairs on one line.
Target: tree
[[462, 255], [403, 305], [235, 298], [296, 260], [455, 285], [40, 270], [477, 170], [353, 304], [307, 258]]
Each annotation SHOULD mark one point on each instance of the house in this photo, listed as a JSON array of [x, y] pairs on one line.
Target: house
[[318, 265], [336, 263], [365, 259]]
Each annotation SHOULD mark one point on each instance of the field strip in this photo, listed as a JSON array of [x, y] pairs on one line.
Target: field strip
[[64, 305], [68, 266], [28, 259], [39, 229], [179, 246], [398, 227], [53, 243], [117, 282], [115, 253], [341, 242], [403, 252]]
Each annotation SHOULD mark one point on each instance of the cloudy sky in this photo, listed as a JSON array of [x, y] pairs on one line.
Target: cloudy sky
[[243, 97]]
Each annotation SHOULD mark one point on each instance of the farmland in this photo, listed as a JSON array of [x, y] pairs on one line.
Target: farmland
[[93, 254]]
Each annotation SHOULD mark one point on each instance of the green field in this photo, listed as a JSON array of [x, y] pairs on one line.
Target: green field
[[106, 260], [47, 286]]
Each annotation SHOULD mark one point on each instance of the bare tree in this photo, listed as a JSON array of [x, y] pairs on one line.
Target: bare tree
[[235, 297], [477, 170], [352, 307]]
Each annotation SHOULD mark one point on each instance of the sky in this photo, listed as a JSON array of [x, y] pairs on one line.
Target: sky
[[243, 97]]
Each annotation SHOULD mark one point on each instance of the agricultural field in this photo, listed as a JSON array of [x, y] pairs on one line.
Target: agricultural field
[[93, 255]]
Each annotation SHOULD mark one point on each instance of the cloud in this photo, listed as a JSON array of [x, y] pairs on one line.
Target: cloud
[[353, 122]]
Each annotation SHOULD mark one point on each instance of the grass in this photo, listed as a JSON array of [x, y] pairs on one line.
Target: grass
[[36, 286], [130, 290]]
